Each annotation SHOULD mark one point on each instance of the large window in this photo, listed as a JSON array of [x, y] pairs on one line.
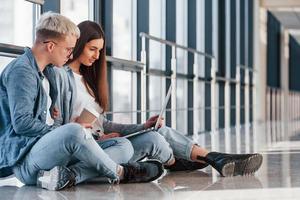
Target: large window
[[156, 93], [77, 10], [124, 96], [16, 22], [124, 46], [157, 12], [123, 29]]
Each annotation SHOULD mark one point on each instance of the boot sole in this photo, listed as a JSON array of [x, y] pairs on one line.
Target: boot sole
[[228, 169], [49, 179], [252, 164], [245, 167]]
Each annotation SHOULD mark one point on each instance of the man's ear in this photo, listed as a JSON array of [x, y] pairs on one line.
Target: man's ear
[[50, 47]]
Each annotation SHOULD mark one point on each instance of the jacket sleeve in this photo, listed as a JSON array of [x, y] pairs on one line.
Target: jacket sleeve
[[123, 129], [22, 90], [61, 100]]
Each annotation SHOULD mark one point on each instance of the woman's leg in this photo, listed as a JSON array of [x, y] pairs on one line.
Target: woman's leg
[[225, 164], [182, 146], [118, 149], [152, 145]]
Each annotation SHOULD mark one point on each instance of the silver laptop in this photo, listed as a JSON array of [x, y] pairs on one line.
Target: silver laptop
[[163, 108]]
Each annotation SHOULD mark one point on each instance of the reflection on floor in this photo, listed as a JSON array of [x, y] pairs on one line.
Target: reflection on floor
[[279, 178]]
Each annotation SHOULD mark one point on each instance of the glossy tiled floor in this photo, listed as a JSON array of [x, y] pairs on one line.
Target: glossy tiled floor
[[278, 178]]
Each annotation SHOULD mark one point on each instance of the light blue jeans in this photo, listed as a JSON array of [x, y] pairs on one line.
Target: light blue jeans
[[181, 145], [70, 146], [151, 145]]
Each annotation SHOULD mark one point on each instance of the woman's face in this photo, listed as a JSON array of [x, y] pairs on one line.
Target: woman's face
[[91, 52]]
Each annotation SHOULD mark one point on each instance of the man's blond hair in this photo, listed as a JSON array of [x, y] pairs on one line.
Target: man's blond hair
[[55, 26]]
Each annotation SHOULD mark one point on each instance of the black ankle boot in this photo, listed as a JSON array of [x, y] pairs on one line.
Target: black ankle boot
[[233, 164], [185, 165]]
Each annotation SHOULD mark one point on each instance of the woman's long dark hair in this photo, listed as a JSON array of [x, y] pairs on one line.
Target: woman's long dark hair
[[95, 76]]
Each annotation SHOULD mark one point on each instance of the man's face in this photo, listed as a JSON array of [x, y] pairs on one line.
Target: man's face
[[63, 50]]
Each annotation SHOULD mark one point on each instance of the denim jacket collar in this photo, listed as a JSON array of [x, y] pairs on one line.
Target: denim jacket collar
[[31, 58], [33, 63]]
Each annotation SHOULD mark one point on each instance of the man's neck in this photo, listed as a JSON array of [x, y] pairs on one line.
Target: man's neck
[[40, 58]]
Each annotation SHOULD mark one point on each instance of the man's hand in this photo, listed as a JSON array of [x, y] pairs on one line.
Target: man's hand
[[109, 135], [152, 121], [55, 113]]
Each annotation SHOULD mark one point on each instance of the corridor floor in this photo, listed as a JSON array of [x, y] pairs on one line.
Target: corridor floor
[[278, 178]]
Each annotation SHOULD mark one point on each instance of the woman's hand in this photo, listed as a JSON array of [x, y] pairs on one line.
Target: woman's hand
[[152, 121], [84, 125], [109, 135]]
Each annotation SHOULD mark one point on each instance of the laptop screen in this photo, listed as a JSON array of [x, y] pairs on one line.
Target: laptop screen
[[163, 108]]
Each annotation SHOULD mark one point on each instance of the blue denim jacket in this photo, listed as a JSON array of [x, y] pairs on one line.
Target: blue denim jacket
[[67, 92], [23, 103]]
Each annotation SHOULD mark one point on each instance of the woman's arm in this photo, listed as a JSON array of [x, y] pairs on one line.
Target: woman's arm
[[123, 129]]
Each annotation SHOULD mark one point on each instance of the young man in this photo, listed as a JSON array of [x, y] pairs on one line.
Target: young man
[[31, 141]]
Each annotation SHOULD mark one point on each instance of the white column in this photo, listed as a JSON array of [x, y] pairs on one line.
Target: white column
[[273, 108], [228, 76], [237, 110], [284, 75], [255, 124], [260, 60], [196, 91], [173, 82], [143, 81], [213, 106], [247, 111], [227, 117]]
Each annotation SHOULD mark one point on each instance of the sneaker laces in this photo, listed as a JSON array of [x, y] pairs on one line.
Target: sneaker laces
[[70, 175]]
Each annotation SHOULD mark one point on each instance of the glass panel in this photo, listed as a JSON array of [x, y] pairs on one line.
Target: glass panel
[[156, 94], [181, 34], [76, 10], [16, 22], [181, 105], [122, 29], [156, 24], [3, 62], [122, 100]]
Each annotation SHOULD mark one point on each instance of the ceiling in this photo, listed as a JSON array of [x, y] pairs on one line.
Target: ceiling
[[287, 12]]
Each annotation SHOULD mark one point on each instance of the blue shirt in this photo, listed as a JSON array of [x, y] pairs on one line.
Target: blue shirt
[[23, 103]]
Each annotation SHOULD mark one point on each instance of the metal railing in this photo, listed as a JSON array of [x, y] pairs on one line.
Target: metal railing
[[214, 80], [283, 113]]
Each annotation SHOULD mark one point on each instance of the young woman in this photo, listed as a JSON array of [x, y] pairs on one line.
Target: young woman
[[87, 73]]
